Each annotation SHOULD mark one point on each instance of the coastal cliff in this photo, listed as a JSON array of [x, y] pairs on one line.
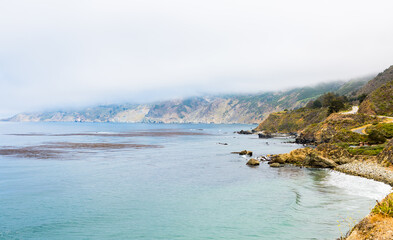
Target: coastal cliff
[[356, 143], [248, 108]]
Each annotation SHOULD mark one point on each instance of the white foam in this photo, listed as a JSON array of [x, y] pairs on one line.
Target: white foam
[[358, 186]]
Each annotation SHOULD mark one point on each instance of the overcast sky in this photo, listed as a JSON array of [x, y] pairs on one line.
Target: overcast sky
[[56, 54]]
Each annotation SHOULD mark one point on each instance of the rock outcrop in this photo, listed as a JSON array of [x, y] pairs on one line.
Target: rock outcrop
[[245, 152], [253, 162], [324, 156]]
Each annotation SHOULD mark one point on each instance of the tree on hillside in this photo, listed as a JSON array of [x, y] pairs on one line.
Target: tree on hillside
[[333, 102]]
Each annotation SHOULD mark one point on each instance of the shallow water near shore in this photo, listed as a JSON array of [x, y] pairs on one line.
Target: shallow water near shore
[[156, 181]]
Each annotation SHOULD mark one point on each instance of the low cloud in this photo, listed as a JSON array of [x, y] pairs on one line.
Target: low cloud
[[70, 53]]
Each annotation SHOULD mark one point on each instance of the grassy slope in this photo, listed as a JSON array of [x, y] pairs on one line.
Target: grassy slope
[[381, 79], [380, 101], [292, 121]]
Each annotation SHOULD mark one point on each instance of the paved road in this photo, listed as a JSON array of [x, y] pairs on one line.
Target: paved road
[[362, 129], [353, 110]]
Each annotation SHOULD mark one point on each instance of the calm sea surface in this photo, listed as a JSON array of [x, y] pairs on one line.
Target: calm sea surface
[[156, 181]]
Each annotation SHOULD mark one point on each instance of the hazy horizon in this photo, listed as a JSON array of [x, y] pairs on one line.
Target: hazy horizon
[[161, 99], [76, 53]]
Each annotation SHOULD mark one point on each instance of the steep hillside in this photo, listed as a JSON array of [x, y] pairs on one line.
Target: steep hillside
[[292, 121], [352, 87], [252, 108], [381, 79], [380, 101], [336, 128]]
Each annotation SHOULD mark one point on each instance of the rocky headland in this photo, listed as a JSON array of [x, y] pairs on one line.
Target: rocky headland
[[357, 142]]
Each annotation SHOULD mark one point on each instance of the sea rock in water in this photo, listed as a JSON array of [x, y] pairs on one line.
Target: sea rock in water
[[244, 152], [263, 158], [276, 165], [253, 162], [264, 135], [244, 132]]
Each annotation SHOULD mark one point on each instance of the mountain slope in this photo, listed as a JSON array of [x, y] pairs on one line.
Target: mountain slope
[[379, 100], [381, 79], [251, 108]]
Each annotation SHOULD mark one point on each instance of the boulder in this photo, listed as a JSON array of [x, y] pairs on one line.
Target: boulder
[[253, 162], [244, 152], [244, 132], [275, 165], [264, 135]]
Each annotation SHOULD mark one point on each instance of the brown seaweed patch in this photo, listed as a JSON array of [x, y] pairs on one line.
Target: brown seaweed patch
[[30, 152], [111, 134], [58, 149]]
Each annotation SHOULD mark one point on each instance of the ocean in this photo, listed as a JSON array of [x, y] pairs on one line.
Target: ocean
[[166, 181]]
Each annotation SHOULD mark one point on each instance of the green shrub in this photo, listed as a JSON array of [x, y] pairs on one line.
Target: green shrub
[[386, 129], [367, 150], [344, 135], [376, 137]]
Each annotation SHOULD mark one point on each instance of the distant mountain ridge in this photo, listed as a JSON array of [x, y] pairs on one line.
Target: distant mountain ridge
[[250, 108]]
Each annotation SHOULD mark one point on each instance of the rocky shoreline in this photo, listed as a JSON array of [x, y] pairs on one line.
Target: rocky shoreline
[[374, 226]]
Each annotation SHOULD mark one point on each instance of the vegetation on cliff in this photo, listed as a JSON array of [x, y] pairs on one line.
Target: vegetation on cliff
[[336, 128], [343, 145], [292, 121], [380, 101], [386, 155], [377, 225], [381, 79], [296, 120]]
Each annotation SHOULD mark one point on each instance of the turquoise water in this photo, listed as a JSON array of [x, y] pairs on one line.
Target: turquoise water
[[186, 187]]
